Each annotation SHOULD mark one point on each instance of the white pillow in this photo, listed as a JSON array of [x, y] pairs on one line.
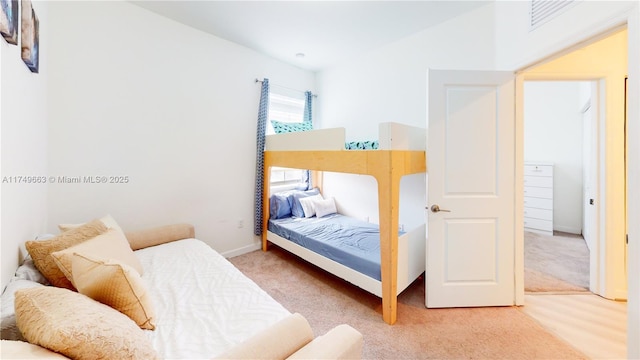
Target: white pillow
[[324, 207], [307, 205]]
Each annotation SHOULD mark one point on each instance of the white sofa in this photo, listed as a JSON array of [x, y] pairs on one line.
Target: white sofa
[[188, 302]]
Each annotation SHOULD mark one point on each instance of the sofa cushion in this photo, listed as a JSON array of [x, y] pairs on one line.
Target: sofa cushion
[[141, 239], [341, 342], [40, 251], [22, 350], [278, 341], [78, 327], [115, 284], [112, 244]]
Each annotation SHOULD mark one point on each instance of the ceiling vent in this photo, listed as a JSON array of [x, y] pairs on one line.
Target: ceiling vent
[[541, 11]]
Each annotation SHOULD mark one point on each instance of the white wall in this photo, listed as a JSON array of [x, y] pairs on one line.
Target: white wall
[[24, 146], [517, 46], [172, 108], [553, 133], [389, 84]]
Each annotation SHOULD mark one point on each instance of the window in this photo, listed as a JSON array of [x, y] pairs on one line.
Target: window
[[286, 106], [283, 179]]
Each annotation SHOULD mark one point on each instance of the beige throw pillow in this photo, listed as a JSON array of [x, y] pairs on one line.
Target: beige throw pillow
[[78, 327], [111, 244], [107, 220], [41, 251], [114, 284]]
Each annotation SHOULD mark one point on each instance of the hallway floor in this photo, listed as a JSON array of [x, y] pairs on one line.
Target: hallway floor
[[592, 324]]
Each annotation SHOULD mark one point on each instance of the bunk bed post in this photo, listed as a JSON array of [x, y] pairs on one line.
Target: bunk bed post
[[388, 206], [266, 193]]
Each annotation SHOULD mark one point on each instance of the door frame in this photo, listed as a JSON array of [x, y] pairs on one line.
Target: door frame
[[631, 19]]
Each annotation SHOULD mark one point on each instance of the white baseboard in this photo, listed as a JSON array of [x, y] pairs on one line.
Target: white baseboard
[[568, 229], [243, 250]]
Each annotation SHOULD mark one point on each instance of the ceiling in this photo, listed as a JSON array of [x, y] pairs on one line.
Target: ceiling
[[324, 31]]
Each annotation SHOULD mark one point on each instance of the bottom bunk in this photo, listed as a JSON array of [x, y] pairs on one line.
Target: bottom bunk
[[349, 248]]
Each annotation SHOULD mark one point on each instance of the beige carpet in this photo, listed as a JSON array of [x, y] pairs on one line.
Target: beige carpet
[[420, 333], [558, 264]]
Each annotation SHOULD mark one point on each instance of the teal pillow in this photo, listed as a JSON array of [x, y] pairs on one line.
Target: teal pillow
[[283, 127]]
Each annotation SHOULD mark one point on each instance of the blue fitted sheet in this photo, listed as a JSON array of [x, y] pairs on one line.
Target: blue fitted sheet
[[346, 240]]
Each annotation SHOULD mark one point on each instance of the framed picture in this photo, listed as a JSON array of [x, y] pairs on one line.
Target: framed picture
[[9, 20], [29, 36]]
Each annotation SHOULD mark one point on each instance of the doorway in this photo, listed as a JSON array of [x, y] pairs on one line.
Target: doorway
[[604, 63], [556, 156]]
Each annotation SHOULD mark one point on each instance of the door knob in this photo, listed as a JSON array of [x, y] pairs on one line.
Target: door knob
[[435, 208]]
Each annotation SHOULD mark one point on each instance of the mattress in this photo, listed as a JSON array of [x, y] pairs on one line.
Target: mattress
[[351, 242], [204, 305]]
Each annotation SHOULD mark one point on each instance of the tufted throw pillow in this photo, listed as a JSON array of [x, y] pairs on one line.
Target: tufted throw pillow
[[78, 327], [8, 325], [40, 251], [111, 244], [117, 285]]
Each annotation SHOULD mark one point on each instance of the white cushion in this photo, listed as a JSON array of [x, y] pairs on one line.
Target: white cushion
[[307, 204], [325, 207]]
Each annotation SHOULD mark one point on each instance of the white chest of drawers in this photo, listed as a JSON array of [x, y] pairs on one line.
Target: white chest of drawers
[[538, 197]]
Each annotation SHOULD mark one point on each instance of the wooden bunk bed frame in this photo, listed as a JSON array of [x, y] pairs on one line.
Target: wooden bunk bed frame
[[387, 165]]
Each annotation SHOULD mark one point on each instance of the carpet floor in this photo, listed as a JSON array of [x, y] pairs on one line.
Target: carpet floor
[[420, 333], [558, 263]]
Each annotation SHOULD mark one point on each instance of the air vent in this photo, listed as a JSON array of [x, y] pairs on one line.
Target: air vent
[[542, 11]]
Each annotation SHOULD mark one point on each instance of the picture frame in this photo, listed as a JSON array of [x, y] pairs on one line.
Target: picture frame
[[29, 37], [9, 20]]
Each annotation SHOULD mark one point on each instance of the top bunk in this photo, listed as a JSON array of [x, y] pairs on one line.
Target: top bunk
[[399, 146]]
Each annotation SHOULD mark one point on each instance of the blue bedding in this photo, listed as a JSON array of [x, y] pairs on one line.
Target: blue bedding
[[346, 240]]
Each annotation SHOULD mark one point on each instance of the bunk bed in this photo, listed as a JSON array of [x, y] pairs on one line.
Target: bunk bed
[[401, 151]]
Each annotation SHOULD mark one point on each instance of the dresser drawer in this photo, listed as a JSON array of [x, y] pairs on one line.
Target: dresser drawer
[[542, 214], [538, 224], [540, 203], [546, 193], [538, 181], [538, 170]]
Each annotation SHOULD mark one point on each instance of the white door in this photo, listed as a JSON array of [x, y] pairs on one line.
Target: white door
[[470, 244]]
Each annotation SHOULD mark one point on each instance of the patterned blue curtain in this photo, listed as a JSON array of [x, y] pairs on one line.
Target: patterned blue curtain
[[308, 119], [263, 116]]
